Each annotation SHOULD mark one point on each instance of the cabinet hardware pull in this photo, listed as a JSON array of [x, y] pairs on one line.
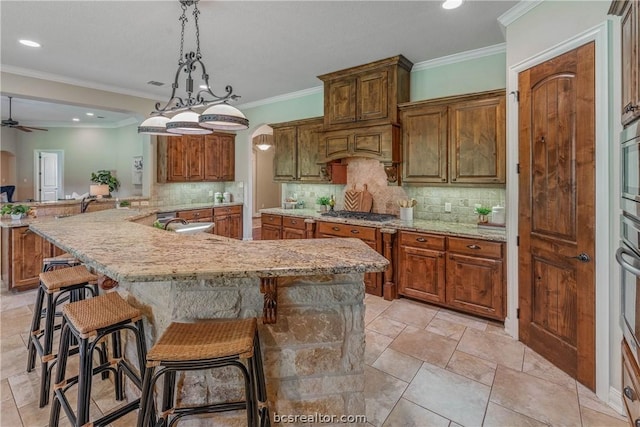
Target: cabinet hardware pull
[[293, 221], [637, 422], [421, 239], [474, 247], [355, 231], [454, 179], [629, 393], [336, 228]]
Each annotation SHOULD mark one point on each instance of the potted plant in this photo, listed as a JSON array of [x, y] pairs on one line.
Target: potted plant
[[104, 177], [16, 211], [482, 212], [323, 201]]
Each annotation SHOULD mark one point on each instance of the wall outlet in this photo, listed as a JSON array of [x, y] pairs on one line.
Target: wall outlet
[[210, 193], [477, 205], [144, 203], [447, 207]]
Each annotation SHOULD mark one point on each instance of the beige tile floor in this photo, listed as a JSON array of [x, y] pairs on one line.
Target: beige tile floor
[[425, 366]]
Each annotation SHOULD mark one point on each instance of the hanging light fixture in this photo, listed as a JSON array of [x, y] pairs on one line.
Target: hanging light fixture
[[218, 115], [263, 142]]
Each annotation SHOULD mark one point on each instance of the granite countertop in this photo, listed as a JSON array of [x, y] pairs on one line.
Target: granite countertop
[[69, 202], [421, 225], [126, 251]]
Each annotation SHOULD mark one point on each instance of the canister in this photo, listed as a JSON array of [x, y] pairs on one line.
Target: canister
[[226, 197], [217, 198], [497, 215]]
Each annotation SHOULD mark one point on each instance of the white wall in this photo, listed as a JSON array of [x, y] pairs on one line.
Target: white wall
[[548, 25]]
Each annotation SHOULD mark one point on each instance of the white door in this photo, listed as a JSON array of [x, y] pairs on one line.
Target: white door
[[48, 176]]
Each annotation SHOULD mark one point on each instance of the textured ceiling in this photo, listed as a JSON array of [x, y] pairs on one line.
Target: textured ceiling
[[263, 49]]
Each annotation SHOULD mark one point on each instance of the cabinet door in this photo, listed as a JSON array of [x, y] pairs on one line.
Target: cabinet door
[[228, 157], [28, 250], [372, 96], [340, 104], [293, 233], [424, 144], [195, 153], [477, 141], [212, 160], [235, 226], [284, 161], [422, 274], [630, 67], [270, 232], [475, 285], [308, 138], [221, 225], [177, 169]]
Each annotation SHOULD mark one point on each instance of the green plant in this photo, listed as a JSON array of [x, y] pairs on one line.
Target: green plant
[[158, 224], [323, 200], [14, 209], [125, 203], [104, 177], [483, 210]]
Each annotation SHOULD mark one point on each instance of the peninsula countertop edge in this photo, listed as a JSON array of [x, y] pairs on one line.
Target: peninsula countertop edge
[[111, 243]]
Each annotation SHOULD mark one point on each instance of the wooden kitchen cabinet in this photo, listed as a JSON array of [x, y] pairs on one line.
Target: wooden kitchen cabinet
[[219, 157], [22, 255], [369, 235], [421, 266], [458, 140], [296, 151], [366, 94], [629, 10], [197, 215], [228, 221], [475, 278], [271, 227], [196, 158], [630, 385], [374, 142], [293, 228]]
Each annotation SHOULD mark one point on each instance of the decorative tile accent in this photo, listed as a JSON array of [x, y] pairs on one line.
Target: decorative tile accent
[[180, 193]]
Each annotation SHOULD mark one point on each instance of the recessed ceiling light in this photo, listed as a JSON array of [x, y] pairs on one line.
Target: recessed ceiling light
[[75, 119], [89, 114], [203, 86], [451, 4], [29, 43]]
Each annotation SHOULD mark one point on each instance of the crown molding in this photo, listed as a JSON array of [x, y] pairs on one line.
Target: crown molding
[[75, 82], [285, 97], [121, 123], [460, 57], [520, 9]]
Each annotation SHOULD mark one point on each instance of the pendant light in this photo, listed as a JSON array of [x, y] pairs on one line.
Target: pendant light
[[219, 114]]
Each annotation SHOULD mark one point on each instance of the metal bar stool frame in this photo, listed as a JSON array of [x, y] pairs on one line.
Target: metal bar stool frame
[[255, 390], [118, 365]]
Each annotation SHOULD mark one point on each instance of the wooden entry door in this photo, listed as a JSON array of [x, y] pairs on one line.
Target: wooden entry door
[[557, 212]]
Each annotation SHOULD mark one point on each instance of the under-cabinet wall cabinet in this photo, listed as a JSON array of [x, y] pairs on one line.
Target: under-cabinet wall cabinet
[[458, 140], [196, 158], [296, 151], [22, 255]]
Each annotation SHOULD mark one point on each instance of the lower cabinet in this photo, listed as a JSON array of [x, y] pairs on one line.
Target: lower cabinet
[[460, 273], [22, 255], [630, 384], [293, 228], [271, 227], [228, 221], [198, 215], [370, 235]]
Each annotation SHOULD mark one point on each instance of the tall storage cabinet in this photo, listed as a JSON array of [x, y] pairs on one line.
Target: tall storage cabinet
[[629, 11]]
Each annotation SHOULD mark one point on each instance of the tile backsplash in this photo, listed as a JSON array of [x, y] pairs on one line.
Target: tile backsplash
[[431, 200], [180, 193]]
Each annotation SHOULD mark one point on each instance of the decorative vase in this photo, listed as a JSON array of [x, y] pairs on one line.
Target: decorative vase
[[323, 208], [16, 217], [482, 219]]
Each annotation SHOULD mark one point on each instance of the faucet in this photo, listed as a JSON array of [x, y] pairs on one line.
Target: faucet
[[181, 220], [84, 204]]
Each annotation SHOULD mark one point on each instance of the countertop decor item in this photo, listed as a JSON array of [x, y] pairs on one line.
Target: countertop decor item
[[16, 211], [482, 212], [104, 177], [218, 115], [323, 201]]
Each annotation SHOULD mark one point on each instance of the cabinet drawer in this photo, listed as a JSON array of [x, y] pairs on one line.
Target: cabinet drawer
[[421, 240], [630, 388], [195, 215], [475, 247], [291, 222], [347, 230], [271, 219], [227, 210]]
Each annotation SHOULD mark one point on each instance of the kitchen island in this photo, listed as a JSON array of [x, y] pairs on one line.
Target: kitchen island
[[309, 293]]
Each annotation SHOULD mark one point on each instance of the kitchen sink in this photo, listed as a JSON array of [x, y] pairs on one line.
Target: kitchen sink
[[191, 228]]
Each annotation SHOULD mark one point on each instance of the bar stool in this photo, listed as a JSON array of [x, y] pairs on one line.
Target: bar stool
[[200, 346], [89, 321], [56, 285]]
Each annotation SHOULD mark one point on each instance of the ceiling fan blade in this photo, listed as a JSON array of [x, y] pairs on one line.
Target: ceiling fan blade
[[22, 128], [32, 128]]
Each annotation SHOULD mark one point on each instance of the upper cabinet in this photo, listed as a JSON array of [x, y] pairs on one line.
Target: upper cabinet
[[296, 151], [457, 140], [629, 10], [193, 158]]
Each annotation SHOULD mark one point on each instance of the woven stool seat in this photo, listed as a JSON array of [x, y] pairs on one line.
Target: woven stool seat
[[96, 313], [56, 279], [205, 340]]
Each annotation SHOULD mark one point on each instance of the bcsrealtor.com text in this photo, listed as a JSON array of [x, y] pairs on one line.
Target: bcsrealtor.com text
[[318, 418]]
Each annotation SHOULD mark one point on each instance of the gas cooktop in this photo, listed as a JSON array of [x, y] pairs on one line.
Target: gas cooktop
[[366, 216]]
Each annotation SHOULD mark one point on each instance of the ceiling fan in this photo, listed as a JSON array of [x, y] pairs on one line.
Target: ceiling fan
[[15, 125]]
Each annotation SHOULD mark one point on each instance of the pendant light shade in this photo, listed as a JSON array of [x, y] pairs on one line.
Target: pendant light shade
[[186, 123], [154, 125], [223, 117]]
